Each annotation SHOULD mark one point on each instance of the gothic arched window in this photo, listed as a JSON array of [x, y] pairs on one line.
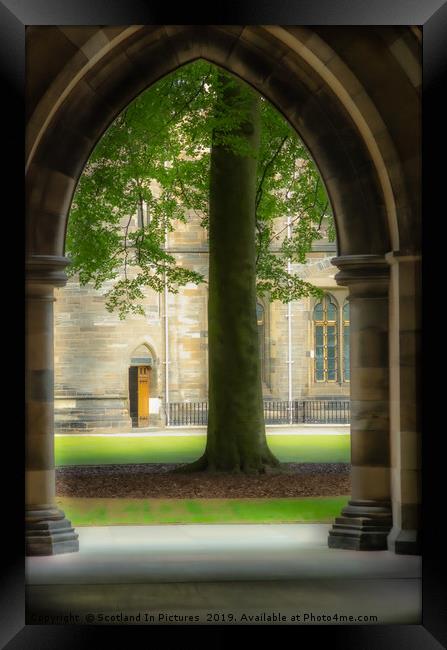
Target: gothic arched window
[[325, 340]]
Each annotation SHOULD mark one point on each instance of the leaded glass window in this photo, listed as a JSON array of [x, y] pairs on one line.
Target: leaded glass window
[[325, 340]]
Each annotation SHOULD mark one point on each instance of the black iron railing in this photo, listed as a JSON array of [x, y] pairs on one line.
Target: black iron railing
[[187, 413], [318, 411], [321, 411]]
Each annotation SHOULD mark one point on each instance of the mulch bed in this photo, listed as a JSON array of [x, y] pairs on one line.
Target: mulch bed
[[156, 481]]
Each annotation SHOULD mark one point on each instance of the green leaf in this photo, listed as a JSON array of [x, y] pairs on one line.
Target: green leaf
[[157, 154]]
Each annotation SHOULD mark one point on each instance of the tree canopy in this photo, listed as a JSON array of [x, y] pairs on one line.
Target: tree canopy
[[154, 160]]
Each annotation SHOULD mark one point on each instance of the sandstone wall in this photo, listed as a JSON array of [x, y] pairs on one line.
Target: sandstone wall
[[93, 347]]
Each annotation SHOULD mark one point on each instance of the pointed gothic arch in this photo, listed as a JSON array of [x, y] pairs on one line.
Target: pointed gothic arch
[[356, 105]]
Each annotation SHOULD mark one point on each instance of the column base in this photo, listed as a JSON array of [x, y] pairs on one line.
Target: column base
[[363, 526], [48, 532], [404, 542]]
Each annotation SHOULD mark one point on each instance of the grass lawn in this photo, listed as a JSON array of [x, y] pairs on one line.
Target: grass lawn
[[96, 450], [108, 512]]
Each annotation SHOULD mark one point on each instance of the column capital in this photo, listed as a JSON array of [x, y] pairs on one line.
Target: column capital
[[47, 270], [367, 272]]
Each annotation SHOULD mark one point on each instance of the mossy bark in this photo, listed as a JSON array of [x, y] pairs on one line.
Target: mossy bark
[[236, 440]]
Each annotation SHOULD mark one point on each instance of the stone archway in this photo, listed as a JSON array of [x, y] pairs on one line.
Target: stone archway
[[353, 96]]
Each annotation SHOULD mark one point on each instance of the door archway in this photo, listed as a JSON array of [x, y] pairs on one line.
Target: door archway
[[140, 385]]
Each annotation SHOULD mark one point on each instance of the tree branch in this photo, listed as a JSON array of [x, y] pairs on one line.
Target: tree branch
[[126, 230], [264, 173], [301, 214], [186, 104], [322, 216]]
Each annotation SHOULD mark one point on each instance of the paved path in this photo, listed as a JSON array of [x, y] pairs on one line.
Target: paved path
[[273, 430], [212, 571]]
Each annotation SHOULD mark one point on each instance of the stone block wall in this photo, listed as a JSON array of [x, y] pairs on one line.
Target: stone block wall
[[93, 347]]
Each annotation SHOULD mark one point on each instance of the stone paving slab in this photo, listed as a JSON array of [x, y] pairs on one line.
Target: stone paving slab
[[308, 602], [213, 552], [221, 574]]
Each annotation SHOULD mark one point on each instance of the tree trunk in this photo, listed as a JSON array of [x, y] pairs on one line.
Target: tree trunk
[[236, 440]]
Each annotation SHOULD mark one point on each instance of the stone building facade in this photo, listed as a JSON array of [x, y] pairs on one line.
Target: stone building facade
[[95, 351]]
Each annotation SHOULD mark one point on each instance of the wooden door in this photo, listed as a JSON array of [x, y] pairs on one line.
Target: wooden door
[[143, 395]]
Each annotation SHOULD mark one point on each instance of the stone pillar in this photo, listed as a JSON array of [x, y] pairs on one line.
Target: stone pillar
[[405, 425], [47, 531], [366, 521]]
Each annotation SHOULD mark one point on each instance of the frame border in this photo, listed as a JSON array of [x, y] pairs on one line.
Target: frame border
[[15, 15]]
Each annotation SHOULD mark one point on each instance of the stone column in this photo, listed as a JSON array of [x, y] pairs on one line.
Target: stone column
[[366, 521], [47, 531], [405, 415]]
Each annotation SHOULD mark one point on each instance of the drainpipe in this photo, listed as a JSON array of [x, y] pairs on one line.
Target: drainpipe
[[166, 319], [289, 333]]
